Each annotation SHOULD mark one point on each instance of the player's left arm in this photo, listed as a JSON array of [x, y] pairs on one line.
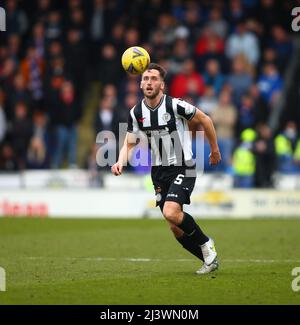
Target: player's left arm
[[209, 129]]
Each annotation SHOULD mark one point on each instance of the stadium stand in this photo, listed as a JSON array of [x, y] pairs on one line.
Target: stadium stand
[[61, 81]]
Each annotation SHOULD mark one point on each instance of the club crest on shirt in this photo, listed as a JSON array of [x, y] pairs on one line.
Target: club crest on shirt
[[166, 117]]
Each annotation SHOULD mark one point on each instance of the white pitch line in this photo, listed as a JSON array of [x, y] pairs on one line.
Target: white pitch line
[[260, 261], [140, 259]]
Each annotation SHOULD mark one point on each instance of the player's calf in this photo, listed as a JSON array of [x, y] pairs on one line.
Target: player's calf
[[176, 230]]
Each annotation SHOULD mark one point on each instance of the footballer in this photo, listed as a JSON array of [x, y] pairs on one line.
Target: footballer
[[163, 119]]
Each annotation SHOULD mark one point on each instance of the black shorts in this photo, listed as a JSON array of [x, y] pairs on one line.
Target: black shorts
[[173, 183]]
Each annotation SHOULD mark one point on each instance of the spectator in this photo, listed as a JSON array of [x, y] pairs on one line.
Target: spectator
[[54, 50], [265, 157], [77, 21], [18, 93], [40, 126], [65, 117], [9, 68], [32, 69], [269, 56], [243, 42], [131, 37], [36, 154], [53, 26], [247, 116], [54, 78], [106, 122], [166, 24], [97, 23], [235, 13], [117, 37], [209, 46], [207, 38], [282, 46], [192, 20], [129, 85], [8, 161], [212, 75], [217, 23], [130, 101], [42, 11], [224, 116], [270, 83], [109, 70], [110, 91], [244, 160], [179, 84], [14, 47], [208, 101], [107, 117], [239, 80], [268, 14], [285, 144], [21, 132], [74, 4], [262, 109], [158, 41], [38, 40], [76, 60], [41, 144], [16, 19], [180, 54]]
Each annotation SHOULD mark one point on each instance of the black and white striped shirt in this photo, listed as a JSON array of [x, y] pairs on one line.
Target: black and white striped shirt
[[166, 129]]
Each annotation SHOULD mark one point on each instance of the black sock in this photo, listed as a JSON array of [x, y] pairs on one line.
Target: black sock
[[190, 246], [192, 230]]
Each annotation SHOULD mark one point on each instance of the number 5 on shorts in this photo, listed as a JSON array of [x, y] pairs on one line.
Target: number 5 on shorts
[[179, 179]]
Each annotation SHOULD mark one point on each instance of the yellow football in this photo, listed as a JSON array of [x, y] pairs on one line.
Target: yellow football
[[135, 60]]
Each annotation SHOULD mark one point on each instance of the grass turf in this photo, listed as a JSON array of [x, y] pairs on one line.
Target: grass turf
[[60, 261]]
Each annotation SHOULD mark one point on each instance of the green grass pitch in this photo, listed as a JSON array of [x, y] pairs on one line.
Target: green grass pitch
[[60, 261]]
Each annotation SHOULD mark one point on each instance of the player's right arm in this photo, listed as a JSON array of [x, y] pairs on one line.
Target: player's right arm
[[125, 154]]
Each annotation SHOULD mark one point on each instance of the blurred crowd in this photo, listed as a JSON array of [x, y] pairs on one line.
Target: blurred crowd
[[229, 58]]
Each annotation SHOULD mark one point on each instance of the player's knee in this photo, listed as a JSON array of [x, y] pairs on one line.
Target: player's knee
[[172, 212]]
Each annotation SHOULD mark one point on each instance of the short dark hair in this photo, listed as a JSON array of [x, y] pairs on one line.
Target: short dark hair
[[159, 68]]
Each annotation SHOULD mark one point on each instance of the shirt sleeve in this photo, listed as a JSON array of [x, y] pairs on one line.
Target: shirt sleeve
[[132, 123], [184, 109]]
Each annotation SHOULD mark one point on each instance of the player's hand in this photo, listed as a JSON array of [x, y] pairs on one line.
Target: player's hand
[[215, 157], [117, 169]]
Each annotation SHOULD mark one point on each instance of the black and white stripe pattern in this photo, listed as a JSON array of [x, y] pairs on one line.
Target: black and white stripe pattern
[[166, 129]]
